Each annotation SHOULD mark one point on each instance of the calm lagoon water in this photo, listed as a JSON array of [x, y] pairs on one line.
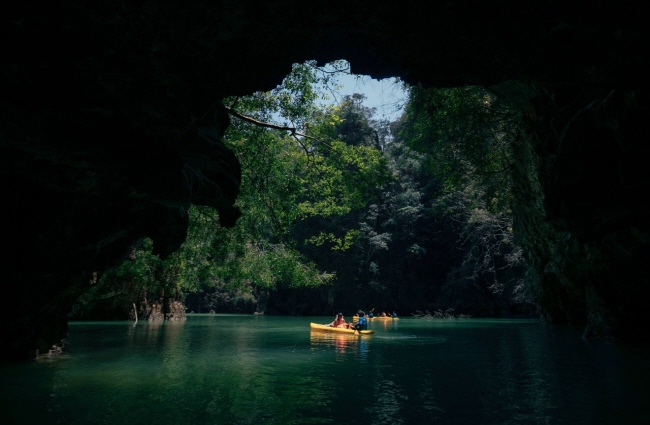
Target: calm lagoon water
[[228, 369]]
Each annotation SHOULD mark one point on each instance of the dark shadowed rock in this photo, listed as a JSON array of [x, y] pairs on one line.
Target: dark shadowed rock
[[111, 126]]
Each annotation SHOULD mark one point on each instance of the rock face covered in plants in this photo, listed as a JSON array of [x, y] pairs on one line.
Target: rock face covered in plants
[[579, 211], [111, 127]]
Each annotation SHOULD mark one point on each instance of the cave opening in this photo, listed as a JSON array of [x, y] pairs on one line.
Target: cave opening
[[420, 239], [103, 141]]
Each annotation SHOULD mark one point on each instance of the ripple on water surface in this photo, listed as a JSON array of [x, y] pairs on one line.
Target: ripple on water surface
[[412, 340], [243, 370]]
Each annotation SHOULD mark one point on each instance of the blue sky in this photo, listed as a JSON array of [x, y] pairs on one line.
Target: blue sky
[[387, 95]]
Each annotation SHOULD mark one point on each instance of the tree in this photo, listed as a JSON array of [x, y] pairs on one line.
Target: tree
[[295, 169]]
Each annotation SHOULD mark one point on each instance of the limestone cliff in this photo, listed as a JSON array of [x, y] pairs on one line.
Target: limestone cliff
[[110, 127], [580, 210]]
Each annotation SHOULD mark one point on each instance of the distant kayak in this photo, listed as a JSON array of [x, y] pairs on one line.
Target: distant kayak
[[356, 318], [325, 328]]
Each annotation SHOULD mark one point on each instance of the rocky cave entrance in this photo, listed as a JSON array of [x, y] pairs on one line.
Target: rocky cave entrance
[[102, 109]]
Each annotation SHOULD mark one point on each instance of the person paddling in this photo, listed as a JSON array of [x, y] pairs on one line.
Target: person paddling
[[362, 324]]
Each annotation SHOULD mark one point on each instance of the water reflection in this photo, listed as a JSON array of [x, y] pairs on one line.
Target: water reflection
[[267, 370], [384, 324], [343, 344]]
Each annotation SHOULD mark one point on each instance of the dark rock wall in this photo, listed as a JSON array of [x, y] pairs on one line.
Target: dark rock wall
[[580, 208], [110, 126]]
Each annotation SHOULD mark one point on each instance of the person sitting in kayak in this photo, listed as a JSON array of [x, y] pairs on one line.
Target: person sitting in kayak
[[362, 324], [383, 314], [370, 315], [394, 314], [339, 322]]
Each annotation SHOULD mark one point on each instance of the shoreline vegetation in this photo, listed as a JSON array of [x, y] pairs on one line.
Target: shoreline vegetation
[[333, 194]]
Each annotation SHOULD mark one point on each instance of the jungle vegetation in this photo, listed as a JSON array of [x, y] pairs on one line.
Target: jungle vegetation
[[342, 210]]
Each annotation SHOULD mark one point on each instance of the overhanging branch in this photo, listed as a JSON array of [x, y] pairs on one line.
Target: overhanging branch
[[292, 130]]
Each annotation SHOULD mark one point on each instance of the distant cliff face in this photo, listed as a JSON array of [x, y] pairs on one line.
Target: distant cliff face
[[111, 126]]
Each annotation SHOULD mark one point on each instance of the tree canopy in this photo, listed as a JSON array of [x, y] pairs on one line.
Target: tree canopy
[[350, 209]]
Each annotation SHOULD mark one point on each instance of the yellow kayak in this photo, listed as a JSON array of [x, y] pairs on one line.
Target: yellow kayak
[[325, 328], [356, 318]]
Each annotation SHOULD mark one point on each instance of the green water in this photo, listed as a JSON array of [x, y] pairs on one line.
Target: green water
[[225, 369]]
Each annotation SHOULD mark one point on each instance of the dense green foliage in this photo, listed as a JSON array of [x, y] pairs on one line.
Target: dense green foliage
[[469, 135], [440, 233], [342, 210]]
